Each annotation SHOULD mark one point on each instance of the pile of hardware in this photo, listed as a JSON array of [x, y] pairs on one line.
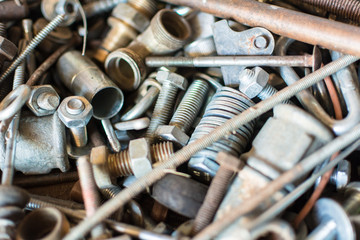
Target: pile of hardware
[[179, 119]]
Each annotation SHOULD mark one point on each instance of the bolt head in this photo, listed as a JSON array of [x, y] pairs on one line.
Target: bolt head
[[75, 118], [140, 157], [175, 79], [261, 42], [7, 49], [253, 81], [34, 103], [131, 16], [172, 134]]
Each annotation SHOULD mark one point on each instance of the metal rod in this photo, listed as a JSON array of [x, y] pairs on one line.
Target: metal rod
[[317, 31], [186, 152], [306, 60]]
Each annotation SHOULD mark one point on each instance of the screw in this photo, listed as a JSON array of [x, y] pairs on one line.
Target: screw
[[48, 101], [185, 114], [75, 112], [228, 166], [171, 82], [119, 164], [89, 191], [32, 45], [261, 42]]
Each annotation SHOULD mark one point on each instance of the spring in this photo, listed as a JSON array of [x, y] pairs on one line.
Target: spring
[[12, 202], [224, 105]]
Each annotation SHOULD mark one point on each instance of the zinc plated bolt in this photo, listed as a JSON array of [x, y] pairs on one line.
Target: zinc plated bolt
[[185, 114], [217, 190], [171, 82], [124, 164], [75, 112]]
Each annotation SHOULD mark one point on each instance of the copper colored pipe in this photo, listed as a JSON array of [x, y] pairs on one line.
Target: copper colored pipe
[[300, 26]]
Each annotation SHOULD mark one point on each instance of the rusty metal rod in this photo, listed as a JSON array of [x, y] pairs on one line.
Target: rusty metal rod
[[300, 26], [220, 61]]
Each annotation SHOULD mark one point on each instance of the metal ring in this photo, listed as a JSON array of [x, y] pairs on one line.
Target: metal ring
[[14, 101]]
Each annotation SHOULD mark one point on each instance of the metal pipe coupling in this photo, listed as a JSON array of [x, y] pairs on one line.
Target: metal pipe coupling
[[126, 21], [167, 33], [84, 78], [45, 224]]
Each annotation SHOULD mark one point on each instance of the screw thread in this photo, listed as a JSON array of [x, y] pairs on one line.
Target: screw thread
[[2, 29], [19, 75], [147, 7], [32, 45], [190, 105], [163, 109], [162, 151], [119, 164], [344, 8], [110, 192], [213, 198], [269, 91]]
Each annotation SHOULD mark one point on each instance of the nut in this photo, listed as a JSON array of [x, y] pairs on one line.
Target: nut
[[43, 100], [175, 79], [75, 111], [253, 81], [140, 157], [172, 134], [131, 16], [8, 50], [99, 155]]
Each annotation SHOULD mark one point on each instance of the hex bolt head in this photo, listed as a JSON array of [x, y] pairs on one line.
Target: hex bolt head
[[172, 134], [174, 79], [253, 81], [75, 111], [140, 157], [8, 50]]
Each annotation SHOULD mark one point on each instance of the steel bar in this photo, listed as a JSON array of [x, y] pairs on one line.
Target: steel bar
[[299, 26], [220, 61], [186, 152]]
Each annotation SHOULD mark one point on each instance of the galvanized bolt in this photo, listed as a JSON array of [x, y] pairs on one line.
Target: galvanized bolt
[[75, 112], [217, 190], [171, 82], [136, 160], [254, 83], [43, 100], [185, 114]]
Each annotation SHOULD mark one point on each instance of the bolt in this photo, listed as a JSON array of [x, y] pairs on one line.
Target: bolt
[[89, 192], [75, 112], [171, 82], [185, 114], [218, 187], [125, 164], [48, 101], [261, 42], [253, 83], [32, 45]]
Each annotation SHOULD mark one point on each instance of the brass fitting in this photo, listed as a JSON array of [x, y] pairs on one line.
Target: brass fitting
[[127, 20], [167, 33], [122, 164]]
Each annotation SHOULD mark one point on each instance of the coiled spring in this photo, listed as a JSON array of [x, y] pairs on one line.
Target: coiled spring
[[224, 105]]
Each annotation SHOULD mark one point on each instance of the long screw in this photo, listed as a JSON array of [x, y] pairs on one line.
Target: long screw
[[89, 192], [185, 153], [217, 190], [33, 44], [220, 61]]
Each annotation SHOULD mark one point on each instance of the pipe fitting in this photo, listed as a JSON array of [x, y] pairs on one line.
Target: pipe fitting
[[84, 78], [127, 20], [167, 33]]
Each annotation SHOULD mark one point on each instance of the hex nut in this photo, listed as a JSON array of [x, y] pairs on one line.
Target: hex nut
[[253, 81], [140, 157], [8, 50], [131, 16], [33, 102], [99, 155], [175, 79], [172, 134], [75, 120]]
